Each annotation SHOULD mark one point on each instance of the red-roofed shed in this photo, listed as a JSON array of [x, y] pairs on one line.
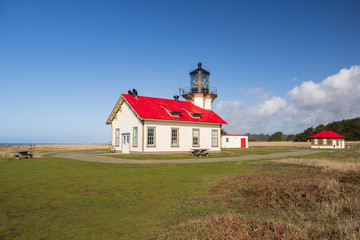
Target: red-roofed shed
[[327, 139]]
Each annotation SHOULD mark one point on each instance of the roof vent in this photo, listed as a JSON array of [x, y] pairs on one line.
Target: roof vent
[[130, 92], [176, 97]]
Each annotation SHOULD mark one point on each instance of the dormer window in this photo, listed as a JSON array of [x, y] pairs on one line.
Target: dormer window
[[175, 114], [193, 115]]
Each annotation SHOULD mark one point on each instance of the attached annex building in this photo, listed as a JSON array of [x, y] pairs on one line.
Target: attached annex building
[[234, 141], [327, 139], [155, 125]]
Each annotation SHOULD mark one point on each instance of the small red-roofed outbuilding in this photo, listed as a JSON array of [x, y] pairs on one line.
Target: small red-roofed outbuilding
[[327, 139]]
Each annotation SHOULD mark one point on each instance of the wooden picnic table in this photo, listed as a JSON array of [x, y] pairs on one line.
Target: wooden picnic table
[[199, 151], [25, 154]]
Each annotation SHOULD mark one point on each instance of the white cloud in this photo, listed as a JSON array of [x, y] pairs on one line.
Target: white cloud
[[335, 98], [269, 108], [253, 119]]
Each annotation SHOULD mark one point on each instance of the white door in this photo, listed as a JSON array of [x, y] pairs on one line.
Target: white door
[[126, 143], [334, 143]]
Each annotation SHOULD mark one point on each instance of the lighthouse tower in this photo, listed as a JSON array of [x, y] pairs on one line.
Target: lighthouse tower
[[199, 92]]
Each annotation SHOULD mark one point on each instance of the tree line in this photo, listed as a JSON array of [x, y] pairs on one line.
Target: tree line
[[277, 136], [350, 128]]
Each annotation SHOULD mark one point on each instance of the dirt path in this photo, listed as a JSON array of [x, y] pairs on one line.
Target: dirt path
[[89, 157]]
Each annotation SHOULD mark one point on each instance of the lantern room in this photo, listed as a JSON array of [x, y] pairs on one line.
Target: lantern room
[[199, 80], [199, 92]]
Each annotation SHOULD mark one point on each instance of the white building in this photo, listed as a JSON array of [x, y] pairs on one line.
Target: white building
[[234, 141], [155, 125]]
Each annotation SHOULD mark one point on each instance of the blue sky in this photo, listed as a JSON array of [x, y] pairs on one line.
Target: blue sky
[[64, 64]]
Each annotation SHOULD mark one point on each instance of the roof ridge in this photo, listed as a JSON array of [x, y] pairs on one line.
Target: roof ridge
[[168, 99], [327, 134]]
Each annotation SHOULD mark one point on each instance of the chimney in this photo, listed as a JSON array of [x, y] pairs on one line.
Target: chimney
[[135, 94], [176, 97]]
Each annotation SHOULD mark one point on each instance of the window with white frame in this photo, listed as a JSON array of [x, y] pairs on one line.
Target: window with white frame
[[135, 137], [117, 137], [174, 137], [316, 141], [325, 141], [196, 137], [227, 139], [151, 136], [214, 138]]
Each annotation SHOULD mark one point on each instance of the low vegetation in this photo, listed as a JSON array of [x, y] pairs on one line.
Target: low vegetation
[[278, 201], [297, 198], [41, 149], [235, 152], [341, 161], [54, 198]]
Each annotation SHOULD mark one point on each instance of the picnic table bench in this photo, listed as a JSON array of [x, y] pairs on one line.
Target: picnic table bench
[[25, 154], [199, 151]]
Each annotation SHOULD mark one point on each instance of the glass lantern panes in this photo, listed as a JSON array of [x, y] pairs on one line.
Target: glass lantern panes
[[199, 80]]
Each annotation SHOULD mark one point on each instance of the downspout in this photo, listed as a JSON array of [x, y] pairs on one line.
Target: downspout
[[143, 140]]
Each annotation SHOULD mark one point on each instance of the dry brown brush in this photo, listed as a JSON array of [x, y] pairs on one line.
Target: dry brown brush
[[232, 226], [345, 165], [281, 201], [39, 149]]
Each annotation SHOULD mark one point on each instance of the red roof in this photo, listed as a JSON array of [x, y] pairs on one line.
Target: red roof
[[156, 108], [327, 134]]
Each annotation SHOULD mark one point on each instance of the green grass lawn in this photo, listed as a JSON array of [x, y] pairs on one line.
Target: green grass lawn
[[54, 198], [234, 152]]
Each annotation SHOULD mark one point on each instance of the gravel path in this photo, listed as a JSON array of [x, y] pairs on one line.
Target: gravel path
[[90, 157]]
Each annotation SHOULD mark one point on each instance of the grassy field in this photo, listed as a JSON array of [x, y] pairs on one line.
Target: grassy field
[[41, 149], [52, 198], [279, 144], [330, 160], [236, 152]]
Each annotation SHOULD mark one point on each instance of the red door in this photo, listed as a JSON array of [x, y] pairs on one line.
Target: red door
[[243, 143]]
